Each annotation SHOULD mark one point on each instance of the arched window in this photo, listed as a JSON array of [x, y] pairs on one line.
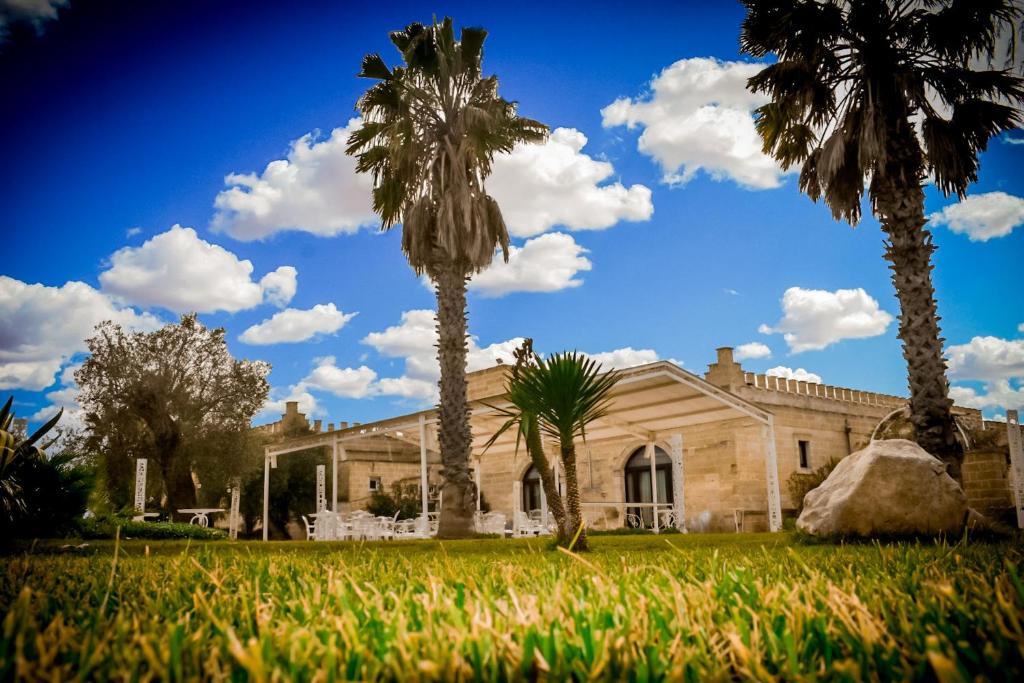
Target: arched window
[[531, 490], [638, 482]]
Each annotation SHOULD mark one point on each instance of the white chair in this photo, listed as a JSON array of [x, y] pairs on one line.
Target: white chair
[[492, 523], [310, 529], [406, 528]]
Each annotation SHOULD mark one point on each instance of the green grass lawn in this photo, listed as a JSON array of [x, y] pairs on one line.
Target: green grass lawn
[[636, 608]]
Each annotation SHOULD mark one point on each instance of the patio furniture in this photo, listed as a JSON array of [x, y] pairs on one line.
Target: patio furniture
[[327, 526], [406, 528], [200, 516], [491, 523], [143, 516], [310, 532]]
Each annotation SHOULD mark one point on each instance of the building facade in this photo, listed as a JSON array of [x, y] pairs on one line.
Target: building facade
[[711, 453]]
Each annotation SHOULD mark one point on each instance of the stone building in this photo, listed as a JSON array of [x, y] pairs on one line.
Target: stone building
[[367, 461], [724, 446]]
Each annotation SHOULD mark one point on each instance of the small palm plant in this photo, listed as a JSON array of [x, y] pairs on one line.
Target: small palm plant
[[15, 456], [522, 418], [850, 81], [566, 392], [431, 128]]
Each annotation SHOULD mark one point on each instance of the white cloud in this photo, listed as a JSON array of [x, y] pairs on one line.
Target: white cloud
[[1020, 328], [297, 325], [132, 232], [542, 186], [799, 374], [179, 271], [1012, 141], [626, 357], [698, 116], [1000, 395], [987, 359], [814, 318], [316, 189], [344, 382], [548, 263], [414, 340], [32, 11], [982, 216], [407, 387], [279, 285], [997, 363], [65, 397], [42, 327], [752, 350]]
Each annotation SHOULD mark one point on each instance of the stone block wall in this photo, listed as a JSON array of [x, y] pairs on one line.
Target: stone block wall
[[986, 481], [357, 473]]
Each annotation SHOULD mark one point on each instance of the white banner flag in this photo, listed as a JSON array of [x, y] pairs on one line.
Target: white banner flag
[[236, 499], [321, 488], [140, 485]]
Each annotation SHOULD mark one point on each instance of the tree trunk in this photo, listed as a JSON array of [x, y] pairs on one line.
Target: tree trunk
[[899, 205], [458, 492], [166, 434], [574, 516], [535, 447]]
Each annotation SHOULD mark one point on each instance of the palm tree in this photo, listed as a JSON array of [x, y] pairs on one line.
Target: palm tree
[[523, 418], [566, 392], [851, 80], [431, 128]]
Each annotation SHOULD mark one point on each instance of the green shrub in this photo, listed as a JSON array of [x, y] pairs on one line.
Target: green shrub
[[404, 499], [106, 527], [801, 483]]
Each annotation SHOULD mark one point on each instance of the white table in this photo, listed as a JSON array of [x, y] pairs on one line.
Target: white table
[[199, 515]]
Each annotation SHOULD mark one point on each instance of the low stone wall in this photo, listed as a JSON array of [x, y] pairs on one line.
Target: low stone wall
[[986, 481]]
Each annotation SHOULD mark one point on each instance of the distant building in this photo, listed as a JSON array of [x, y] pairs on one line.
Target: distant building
[[724, 446]]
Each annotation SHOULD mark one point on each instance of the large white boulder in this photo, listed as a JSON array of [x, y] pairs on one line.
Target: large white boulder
[[892, 487]]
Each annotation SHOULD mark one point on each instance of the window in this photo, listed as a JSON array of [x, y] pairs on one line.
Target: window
[[804, 448], [375, 483], [532, 491], [638, 482]]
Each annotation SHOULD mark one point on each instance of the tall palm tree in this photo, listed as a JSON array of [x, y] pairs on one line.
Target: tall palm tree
[[566, 392], [431, 128], [851, 81]]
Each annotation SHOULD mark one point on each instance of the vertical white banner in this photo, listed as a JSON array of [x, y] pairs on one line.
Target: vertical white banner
[[140, 485], [321, 488], [236, 500], [1016, 463]]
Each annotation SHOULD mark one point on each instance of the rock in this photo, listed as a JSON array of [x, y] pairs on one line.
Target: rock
[[891, 487]]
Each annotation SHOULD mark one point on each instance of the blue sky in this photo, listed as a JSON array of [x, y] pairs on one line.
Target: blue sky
[[649, 225]]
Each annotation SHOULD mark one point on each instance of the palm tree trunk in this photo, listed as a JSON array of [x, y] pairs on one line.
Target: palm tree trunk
[[899, 205], [535, 447], [459, 491], [574, 518]]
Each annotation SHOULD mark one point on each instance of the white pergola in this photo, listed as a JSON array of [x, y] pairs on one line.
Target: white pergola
[[414, 429], [654, 402]]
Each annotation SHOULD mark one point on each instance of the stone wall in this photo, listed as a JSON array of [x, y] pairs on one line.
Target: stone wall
[[986, 481]]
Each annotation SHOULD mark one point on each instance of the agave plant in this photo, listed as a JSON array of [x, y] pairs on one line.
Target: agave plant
[[522, 418], [566, 392], [14, 454]]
